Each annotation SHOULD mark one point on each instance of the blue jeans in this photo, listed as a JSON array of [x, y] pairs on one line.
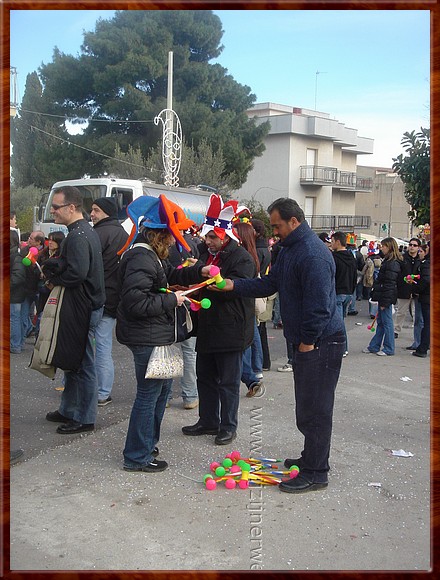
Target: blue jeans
[[188, 382], [316, 375], [16, 328], [352, 302], [276, 314], [253, 360], [79, 400], [147, 412], [384, 332], [218, 383], [105, 369], [342, 301], [424, 345], [418, 322], [26, 324]]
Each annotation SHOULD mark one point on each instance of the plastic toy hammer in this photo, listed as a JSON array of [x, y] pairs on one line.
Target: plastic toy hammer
[[411, 278], [215, 277], [195, 304], [31, 258]]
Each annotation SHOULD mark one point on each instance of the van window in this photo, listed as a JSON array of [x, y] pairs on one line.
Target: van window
[[123, 198]]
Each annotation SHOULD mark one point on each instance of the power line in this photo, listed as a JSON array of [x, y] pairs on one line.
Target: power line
[[83, 119], [90, 150]]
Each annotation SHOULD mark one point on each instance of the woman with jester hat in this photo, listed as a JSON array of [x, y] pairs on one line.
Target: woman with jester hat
[[225, 330], [146, 316]]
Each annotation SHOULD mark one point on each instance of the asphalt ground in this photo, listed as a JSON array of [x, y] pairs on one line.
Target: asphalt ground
[[72, 507]]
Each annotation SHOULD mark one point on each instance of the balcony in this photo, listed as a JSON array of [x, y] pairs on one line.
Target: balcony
[[343, 223], [345, 180]]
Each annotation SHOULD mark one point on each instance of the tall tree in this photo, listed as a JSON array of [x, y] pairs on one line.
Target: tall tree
[[413, 169], [119, 84]]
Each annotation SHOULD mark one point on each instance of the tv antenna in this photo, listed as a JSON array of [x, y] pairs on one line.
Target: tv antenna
[[318, 72]]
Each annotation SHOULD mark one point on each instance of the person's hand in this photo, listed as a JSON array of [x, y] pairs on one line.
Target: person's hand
[[305, 347], [205, 271], [49, 285], [180, 297], [191, 261], [229, 286]]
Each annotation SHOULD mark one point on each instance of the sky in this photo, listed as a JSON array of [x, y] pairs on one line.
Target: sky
[[369, 69]]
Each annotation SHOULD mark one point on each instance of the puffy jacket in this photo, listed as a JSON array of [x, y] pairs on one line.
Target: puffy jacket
[[385, 287], [263, 254], [112, 237], [18, 278], [146, 316], [228, 325]]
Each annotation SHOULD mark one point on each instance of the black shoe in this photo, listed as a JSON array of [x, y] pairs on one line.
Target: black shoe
[[420, 354], [104, 402], [74, 427], [411, 348], [396, 335], [289, 462], [155, 452], [151, 467], [56, 417], [256, 389], [198, 429], [301, 485], [225, 437], [352, 313], [15, 455]]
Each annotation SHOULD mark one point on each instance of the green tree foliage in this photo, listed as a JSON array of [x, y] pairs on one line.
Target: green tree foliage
[[23, 200], [130, 165], [414, 170], [118, 84], [259, 212]]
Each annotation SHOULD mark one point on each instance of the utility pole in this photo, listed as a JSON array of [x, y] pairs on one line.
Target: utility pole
[[13, 96], [318, 72], [391, 205]]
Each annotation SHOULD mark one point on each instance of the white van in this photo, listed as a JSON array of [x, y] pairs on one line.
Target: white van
[[193, 201]]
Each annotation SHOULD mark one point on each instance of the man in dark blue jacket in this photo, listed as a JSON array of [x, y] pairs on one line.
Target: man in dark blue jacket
[[304, 276]]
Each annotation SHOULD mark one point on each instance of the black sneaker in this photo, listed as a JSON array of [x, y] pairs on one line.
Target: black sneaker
[[56, 417], [104, 402], [151, 467], [155, 452]]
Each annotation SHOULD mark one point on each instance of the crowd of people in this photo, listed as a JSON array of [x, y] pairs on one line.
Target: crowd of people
[[134, 288]]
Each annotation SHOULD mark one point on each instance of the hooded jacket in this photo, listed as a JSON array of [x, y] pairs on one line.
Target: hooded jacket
[[346, 272], [112, 237]]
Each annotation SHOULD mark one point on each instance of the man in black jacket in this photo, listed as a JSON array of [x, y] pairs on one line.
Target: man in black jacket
[[410, 265], [346, 275], [224, 331], [83, 272], [112, 237]]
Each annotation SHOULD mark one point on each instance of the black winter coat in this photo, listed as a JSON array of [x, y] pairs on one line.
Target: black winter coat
[[18, 278], [112, 237], [228, 325], [423, 286], [146, 316], [385, 287], [263, 254], [409, 266]]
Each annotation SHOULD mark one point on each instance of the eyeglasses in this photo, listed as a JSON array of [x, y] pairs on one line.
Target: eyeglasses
[[414, 245], [55, 206]]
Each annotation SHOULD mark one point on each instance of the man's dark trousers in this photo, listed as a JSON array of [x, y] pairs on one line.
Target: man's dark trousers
[[316, 374]]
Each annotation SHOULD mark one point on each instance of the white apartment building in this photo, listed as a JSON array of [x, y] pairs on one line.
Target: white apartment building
[[312, 159]]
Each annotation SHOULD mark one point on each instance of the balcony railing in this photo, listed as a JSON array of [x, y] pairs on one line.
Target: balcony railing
[[318, 175], [344, 223]]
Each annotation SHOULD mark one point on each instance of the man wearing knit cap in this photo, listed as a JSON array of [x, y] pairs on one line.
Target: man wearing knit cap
[[112, 237]]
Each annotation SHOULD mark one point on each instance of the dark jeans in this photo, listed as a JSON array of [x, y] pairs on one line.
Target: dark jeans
[[425, 340], [218, 383], [316, 374], [147, 412], [264, 345]]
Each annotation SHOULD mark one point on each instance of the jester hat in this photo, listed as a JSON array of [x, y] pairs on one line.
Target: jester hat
[[157, 213], [219, 218]]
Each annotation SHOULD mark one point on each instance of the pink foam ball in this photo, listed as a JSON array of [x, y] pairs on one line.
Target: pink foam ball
[[235, 469], [195, 307], [243, 484], [210, 484], [235, 455], [214, 465], [230, 483], [293, 474], [214, 270], [228, 456]]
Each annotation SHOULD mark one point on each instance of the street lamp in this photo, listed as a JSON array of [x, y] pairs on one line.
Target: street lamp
[[391, 205]]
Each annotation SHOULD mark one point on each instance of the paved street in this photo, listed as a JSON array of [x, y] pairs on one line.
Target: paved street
[[74, 508]]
